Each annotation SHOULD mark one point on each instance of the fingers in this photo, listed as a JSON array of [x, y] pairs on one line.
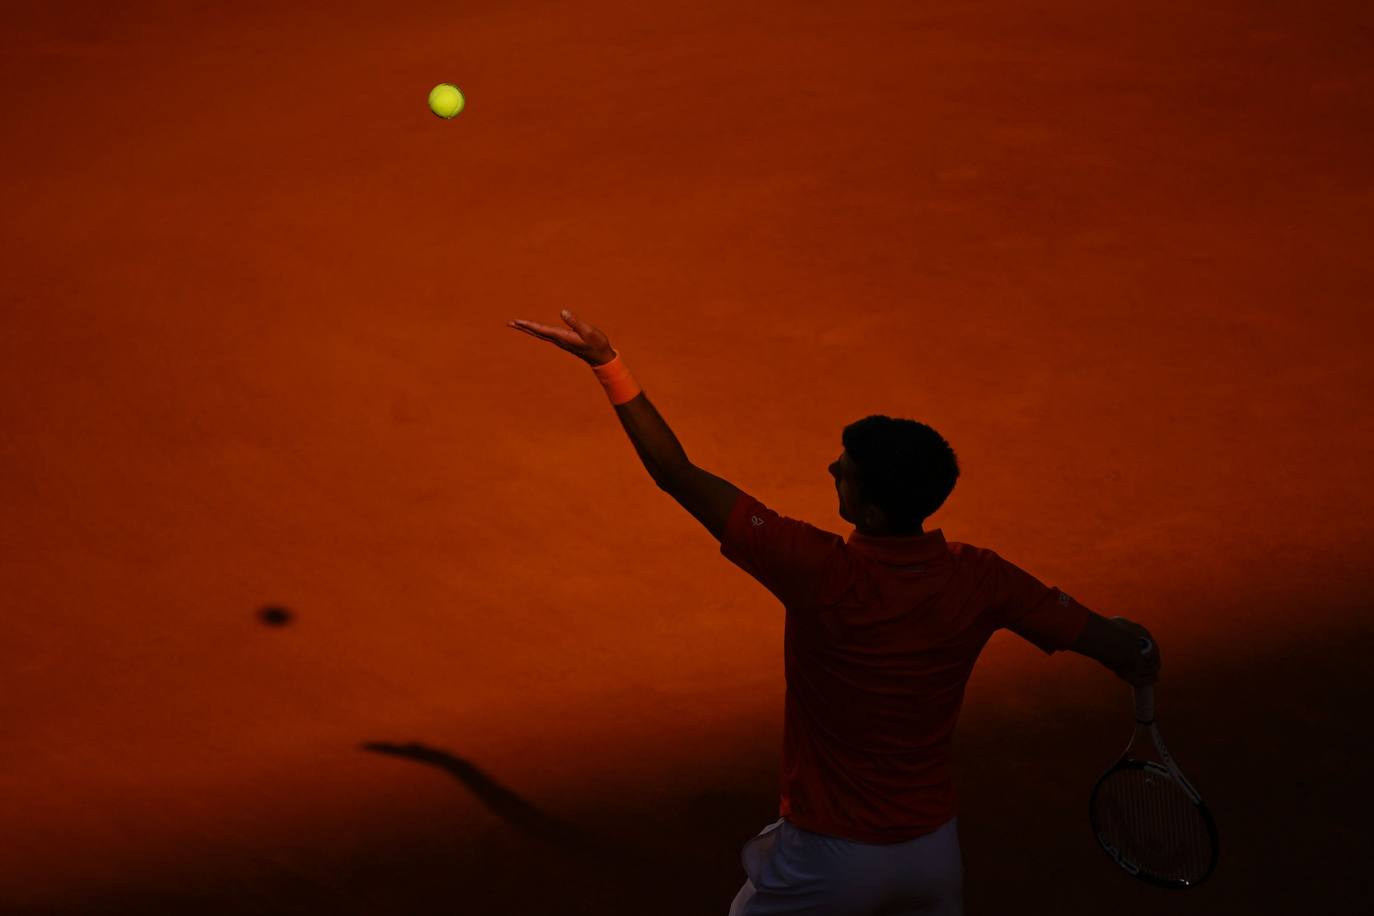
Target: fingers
[[584, 340], [544, 331], [1141, 670], [552, 335], [1140, 680], [1144, 673]]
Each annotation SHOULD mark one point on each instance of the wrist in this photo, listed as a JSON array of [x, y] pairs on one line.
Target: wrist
[[620, 385]]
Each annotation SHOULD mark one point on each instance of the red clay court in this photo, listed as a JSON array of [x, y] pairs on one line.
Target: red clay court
[[253, 354]]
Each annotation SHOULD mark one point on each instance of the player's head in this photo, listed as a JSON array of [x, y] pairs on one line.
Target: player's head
[[892, 475]]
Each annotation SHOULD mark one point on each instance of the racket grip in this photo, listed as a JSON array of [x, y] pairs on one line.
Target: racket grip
[[1145, 705], [1145, 696]]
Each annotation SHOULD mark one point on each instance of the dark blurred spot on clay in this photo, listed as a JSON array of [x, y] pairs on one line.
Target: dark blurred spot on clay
[[275, 616]]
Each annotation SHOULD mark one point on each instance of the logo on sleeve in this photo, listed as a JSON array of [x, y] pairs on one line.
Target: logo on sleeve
[[1064, 599], [755, 520]]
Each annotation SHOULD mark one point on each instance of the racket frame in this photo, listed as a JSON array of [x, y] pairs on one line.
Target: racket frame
[[1145, 720]]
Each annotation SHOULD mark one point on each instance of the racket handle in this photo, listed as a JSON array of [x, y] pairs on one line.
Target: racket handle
[[1145, 696]]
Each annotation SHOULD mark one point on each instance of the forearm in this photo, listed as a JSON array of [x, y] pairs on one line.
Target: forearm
[[659, 450], [1107, 643]]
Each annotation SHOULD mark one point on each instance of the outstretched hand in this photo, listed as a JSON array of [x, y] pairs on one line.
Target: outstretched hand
[[584, 341]]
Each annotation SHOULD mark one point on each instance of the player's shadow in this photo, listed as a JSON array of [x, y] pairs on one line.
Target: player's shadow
[[499, 800], [539, 863]]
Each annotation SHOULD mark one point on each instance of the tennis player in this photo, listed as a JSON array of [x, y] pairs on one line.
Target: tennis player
[[882, 630]]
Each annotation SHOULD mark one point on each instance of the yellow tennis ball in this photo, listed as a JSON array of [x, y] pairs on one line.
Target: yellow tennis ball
[[445, 100]]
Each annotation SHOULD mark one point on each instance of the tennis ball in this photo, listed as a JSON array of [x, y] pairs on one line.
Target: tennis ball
[[445, 100]]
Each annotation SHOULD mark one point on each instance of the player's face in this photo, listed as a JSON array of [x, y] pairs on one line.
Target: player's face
[[836, 472], [846, 489], [868, 519]]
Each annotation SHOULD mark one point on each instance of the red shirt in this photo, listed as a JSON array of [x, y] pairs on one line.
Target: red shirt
[[880, 638]]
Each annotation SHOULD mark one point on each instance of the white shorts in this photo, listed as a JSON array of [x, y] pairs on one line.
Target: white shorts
[[794, 871]]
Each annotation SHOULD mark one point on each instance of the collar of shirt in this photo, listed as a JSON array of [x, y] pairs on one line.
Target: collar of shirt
[[914, 551]]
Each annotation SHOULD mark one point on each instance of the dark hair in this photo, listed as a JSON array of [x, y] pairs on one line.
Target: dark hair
[[906, 468]]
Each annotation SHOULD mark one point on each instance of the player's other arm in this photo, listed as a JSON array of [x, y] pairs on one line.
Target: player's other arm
[[1115, 643]]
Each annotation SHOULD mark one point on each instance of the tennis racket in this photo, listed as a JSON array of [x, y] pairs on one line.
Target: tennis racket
[[1146, 816]]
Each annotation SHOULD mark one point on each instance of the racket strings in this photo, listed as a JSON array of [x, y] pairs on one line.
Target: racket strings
[[1150, 820]]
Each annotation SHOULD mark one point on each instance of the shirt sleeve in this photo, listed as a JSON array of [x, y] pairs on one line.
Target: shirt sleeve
[[1045, 616], [799, 563]]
